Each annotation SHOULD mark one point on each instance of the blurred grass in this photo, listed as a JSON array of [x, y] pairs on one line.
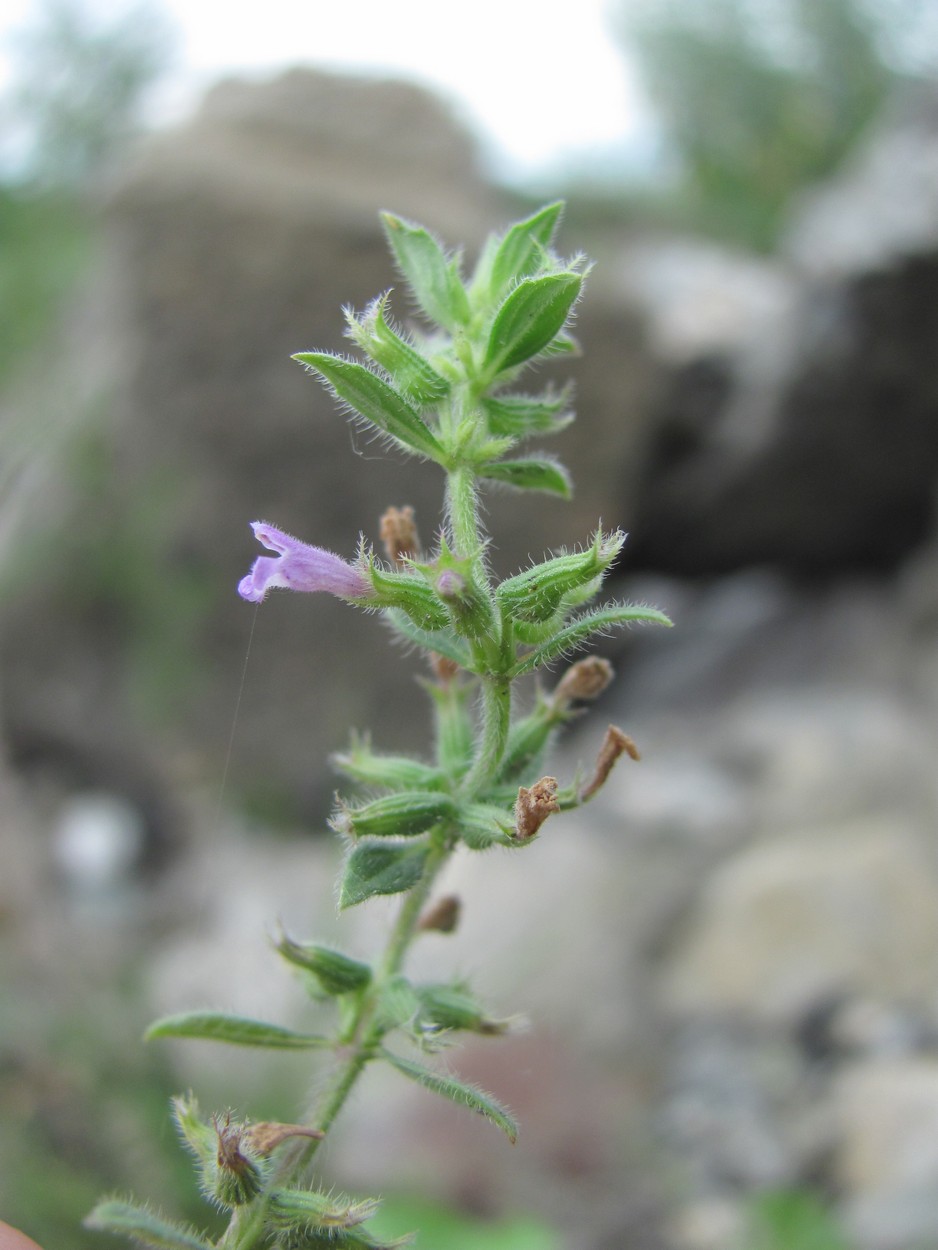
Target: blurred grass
[[45, 242], [793, 1219], [441, 1228]]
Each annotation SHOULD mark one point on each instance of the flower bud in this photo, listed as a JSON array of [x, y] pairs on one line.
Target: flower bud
[[583, 681], [441, 916], [396, 815], [537, 593], [452, 1007], [335, 973], [240, 1172]]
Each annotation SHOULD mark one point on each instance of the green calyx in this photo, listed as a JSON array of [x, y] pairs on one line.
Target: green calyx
[[538, 593]]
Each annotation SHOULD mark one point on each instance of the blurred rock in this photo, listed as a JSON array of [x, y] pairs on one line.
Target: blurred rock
[[822, 911], [797, 419], [887, 1161]]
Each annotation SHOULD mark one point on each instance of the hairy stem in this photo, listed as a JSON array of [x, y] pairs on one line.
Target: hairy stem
[[363, 1031], [496, 721], [462, 509]]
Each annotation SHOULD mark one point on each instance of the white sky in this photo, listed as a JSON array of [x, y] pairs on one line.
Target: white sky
[[541, 79]]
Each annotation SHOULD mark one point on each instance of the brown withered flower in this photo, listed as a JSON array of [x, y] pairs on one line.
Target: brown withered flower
[[399, 534], [614, 744], [534, 805]]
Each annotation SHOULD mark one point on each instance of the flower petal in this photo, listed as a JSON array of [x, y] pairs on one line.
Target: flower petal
[[298, 566]]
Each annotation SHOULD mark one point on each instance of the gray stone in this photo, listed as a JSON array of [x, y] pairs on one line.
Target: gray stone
[[887, 1159], [791, 922], [796, 426]]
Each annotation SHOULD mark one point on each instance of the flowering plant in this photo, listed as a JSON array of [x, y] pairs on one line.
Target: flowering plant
[[443, 396]]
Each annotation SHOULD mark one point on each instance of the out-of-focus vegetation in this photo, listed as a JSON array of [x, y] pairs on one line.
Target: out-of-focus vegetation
[[80, 89], [83, 1108], [758, 99], [793, 1219], [442, 1227], [77, 96], [43, 246]]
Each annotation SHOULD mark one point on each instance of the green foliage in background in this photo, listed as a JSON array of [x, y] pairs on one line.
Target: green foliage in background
[[442, 1227], [758, 99], [44, 244], [793, 1219], [79, 88]]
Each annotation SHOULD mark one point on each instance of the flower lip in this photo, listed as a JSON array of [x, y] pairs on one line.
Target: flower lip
[[299, 566]]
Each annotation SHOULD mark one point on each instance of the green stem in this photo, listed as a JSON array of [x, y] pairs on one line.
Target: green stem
[[496, 721], [462, 508], [365, 1035], [364, 1032]]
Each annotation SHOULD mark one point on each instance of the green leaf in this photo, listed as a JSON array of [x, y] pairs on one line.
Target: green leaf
[[482, 825], [528, 320], [374, 400], [519, 416], [443, 641], [412, 375], [395, 772], [459, 1092], [397, 1004], [126, 1218], [380, 868], [433, 279], [336, 972], [530, 474], [523, 249], [217, 1026], [582, 628], [201, 1140], [527, 741]]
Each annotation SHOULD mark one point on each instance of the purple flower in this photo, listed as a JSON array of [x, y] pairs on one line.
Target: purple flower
[[297, 566]]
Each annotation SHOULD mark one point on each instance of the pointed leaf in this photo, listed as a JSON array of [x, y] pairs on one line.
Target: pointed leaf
[[530, 474], [482, 825], [396, 772], [433, 279], [528, 320], [380, 868], [582, 628], [443, 641], [459, 1092], [412, 374], [374, 400], [519, 416], [217, 1026], [113, 1216], [523, 247]]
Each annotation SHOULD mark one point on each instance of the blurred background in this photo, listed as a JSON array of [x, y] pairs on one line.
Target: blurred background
[[731, 958]]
